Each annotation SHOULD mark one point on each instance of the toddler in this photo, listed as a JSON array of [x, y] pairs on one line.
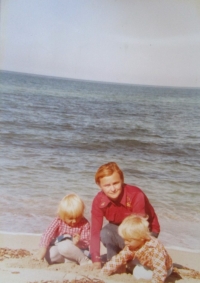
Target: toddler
[[148, 255], [67, 237]]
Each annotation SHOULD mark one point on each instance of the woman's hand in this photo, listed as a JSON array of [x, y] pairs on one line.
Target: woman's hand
[[97, 265]]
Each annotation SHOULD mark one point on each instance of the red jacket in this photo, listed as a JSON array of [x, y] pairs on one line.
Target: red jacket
[[132, 200]]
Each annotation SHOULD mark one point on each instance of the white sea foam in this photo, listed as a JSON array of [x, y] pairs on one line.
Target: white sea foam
[[34, 234], [182, 249], [19, 233]]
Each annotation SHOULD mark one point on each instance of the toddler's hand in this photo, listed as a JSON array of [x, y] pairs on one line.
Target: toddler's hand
[[40, 254], [76, 239]]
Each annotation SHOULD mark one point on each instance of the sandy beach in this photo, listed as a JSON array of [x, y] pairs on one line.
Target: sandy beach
[[18, 265]]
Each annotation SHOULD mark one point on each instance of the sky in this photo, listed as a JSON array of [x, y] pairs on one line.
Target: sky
[[148, 42]]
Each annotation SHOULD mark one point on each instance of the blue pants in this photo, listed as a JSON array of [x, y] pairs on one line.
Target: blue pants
[[111, 240]]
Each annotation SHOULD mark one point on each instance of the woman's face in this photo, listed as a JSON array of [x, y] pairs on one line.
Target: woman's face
[[111, 186]]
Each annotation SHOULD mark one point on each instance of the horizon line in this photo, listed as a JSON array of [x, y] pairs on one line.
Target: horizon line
[[103, 82]]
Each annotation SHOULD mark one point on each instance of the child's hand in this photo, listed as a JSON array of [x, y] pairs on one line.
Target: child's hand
[[40, 254], [76, 239]]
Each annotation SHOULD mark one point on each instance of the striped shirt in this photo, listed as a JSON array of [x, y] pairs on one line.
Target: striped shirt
[[58, 227], [152, 255]]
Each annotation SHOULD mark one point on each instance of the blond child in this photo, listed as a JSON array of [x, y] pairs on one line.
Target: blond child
[[146, 252], [67, 237]]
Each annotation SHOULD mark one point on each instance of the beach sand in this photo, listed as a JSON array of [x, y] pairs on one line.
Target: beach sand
[[18, 265]]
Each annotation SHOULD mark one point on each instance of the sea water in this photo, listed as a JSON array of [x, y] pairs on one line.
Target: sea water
[[56, 132]]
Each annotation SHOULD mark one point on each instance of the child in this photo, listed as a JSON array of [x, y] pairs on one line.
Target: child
[[148, 254], [68, 235]]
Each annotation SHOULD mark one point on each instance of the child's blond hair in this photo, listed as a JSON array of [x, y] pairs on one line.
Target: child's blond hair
[[71, 206], [134, 227]]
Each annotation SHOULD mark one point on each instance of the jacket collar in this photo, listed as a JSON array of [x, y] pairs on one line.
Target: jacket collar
[[105, 201]]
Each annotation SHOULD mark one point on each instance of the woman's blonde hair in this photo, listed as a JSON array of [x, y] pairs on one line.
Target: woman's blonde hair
[[107, 170], [71, 206], [134, 227]]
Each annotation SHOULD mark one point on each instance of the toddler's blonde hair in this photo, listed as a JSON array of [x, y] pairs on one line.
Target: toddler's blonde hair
[[134, 227], [71, 207]]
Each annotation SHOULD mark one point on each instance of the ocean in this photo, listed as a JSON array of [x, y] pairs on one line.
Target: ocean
[[56, 132]]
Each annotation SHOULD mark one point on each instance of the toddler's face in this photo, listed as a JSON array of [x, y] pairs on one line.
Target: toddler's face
[[134, 244], [73, 221]]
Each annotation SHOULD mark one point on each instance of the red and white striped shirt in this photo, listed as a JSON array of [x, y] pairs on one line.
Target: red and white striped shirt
[[58, 227]]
